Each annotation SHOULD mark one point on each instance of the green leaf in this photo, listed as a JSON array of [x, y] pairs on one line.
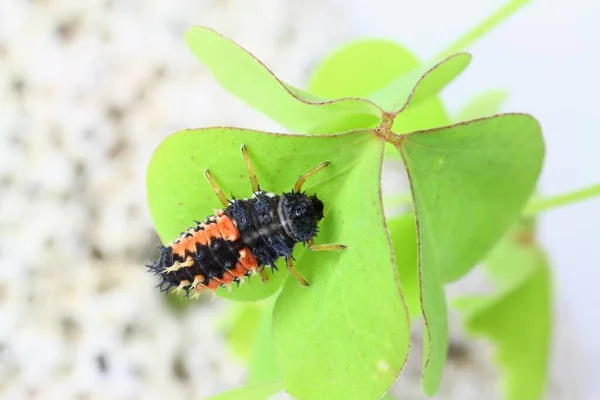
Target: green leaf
[[517, 316], [469, 182], [404, 237], [347, 335], [357, 70], [252, 392], [178, 192], [337, 76], [263, 368], [483, 105], [247, 78], [420, 84]]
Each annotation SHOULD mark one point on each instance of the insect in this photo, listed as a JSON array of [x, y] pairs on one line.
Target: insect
[[244, 238]]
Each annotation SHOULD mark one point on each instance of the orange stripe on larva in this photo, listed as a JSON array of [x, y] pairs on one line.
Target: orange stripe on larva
[[239, 270], [213, 284], [227, 228], [200, 238], [212, 231], [227, 278], [189, 243], [179, 248], [247, 259]]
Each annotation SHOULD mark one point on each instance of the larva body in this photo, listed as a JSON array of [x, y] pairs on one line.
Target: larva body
[[242, 239]]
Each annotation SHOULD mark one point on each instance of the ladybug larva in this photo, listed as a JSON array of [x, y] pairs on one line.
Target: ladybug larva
[[244, 238]]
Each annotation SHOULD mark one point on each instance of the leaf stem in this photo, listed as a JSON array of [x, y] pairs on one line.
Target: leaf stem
[[538, 206], [534, 206], [484, 27]]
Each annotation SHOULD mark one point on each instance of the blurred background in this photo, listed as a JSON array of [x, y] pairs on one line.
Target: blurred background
[[88, 90]]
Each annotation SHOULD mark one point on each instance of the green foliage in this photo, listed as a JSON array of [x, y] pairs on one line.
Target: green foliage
[[517, 316], [420, 84], [468, 181], [246, 77], [347, 334], [356, 70], [331, 316], [471, 181], [335, 77]]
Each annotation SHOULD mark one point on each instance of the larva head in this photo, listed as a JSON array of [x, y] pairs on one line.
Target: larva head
[[301, 214]]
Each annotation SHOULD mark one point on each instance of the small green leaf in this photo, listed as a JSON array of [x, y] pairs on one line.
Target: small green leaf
[[263, 368], [517, 316], [252, 392], [483, 105], [247, 78], [469, 181], [357, 70], [404, 237], [346, 335], [420, 84]]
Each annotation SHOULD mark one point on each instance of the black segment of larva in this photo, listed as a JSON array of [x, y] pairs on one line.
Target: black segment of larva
[[237, 212], [224, 258], [301, 214]]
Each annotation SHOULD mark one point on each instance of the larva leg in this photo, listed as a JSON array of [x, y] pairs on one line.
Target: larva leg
[[253, 179], [216, 188], [307, 175], [325, 247], [264, 275], [289, 263]]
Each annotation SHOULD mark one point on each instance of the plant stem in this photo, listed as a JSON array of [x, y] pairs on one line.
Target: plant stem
[[534, 206], [484, 27], [538, 206]]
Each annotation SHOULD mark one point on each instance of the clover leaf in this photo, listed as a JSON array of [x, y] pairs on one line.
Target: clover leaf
[[334, 315], [469, 182]]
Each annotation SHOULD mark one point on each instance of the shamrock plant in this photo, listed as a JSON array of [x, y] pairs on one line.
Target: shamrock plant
[[347, 335]]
